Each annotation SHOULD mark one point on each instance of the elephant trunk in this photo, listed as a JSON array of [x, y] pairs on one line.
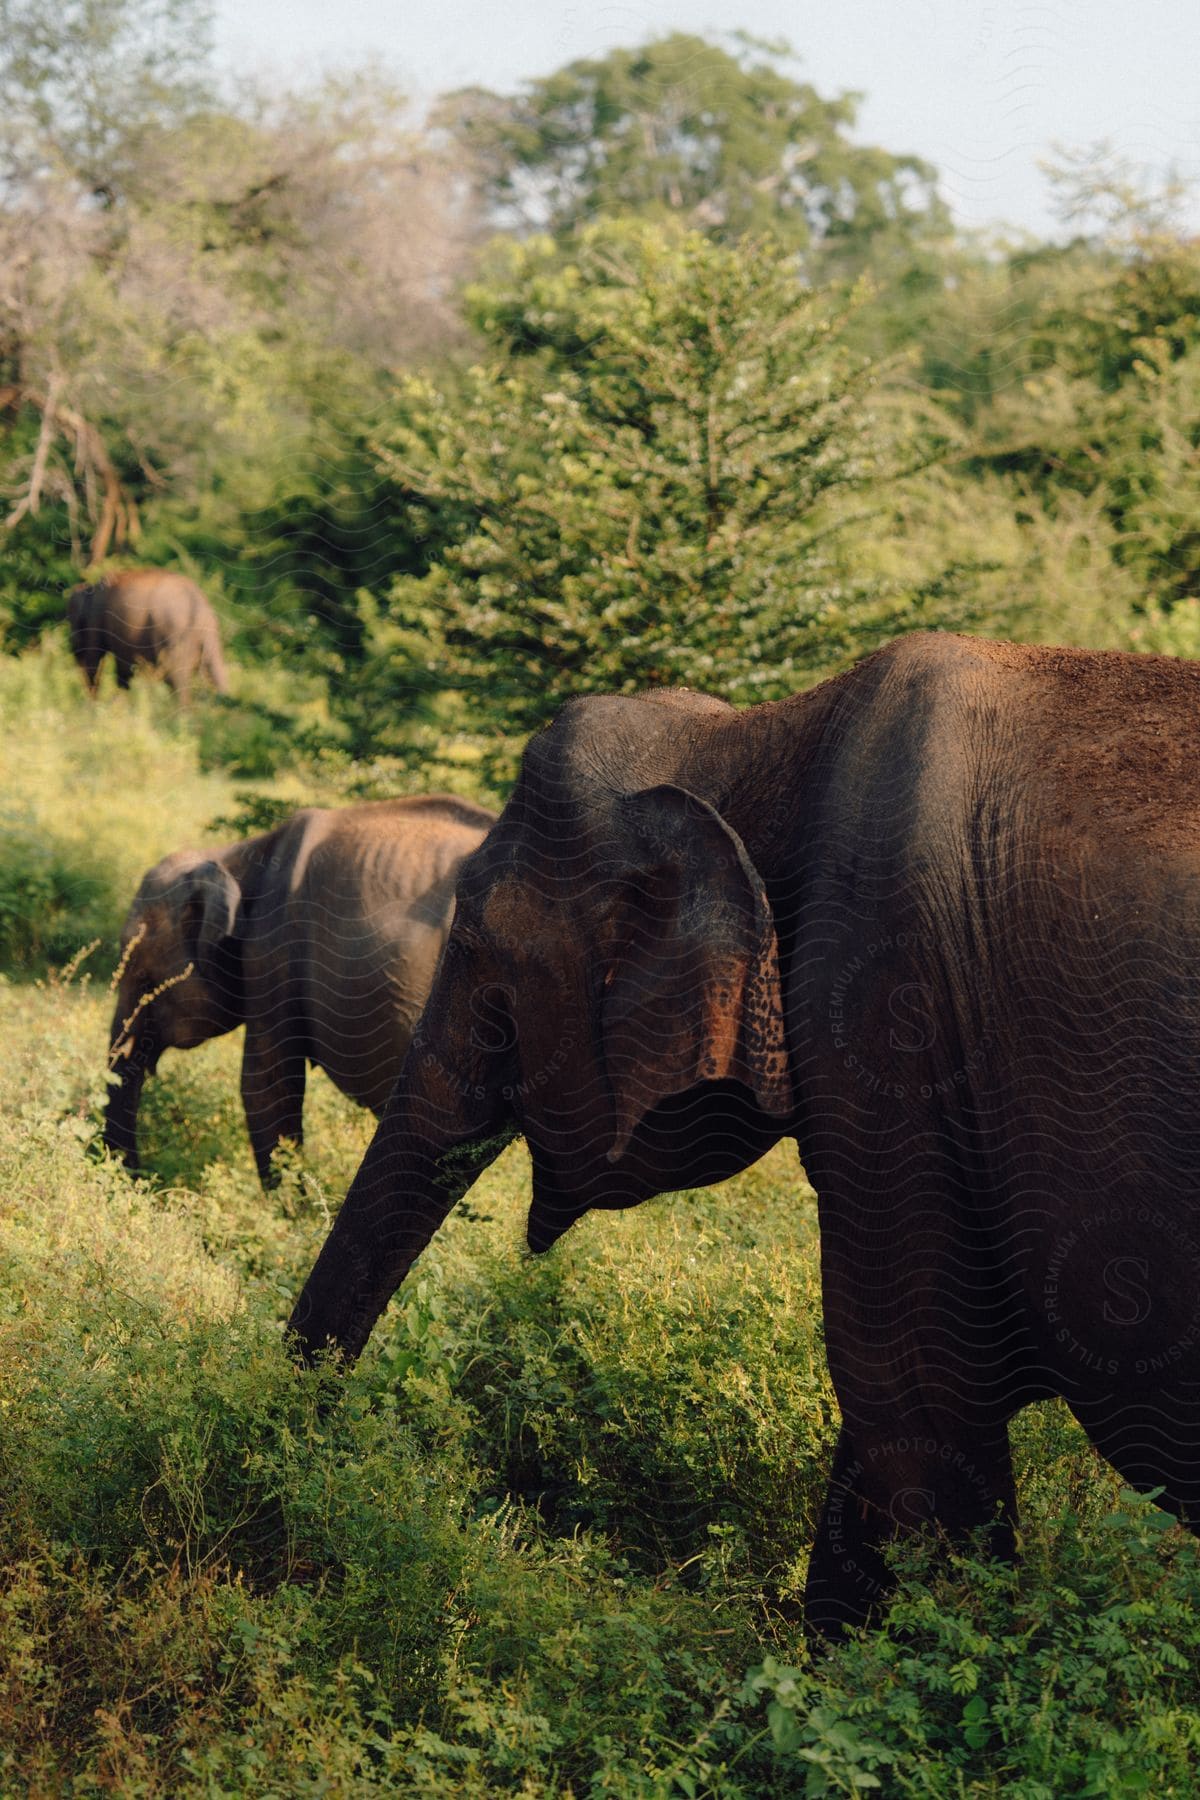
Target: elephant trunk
[[131, 1065], [408, 1181], [446, 1121]]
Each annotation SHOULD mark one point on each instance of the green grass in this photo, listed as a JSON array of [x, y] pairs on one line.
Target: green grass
[[547, 1539], [93, 794]]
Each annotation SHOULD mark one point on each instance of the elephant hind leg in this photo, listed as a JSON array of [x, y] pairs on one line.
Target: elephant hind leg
[[1151, 1447], [177, 673], [124, 673], [937, 1474]]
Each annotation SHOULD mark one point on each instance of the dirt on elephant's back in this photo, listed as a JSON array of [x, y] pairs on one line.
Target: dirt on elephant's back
[[1114, 737], [1122, 743]]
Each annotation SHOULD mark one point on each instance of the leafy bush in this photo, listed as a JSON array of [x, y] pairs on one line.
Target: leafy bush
[[642, 487], [53, 898], [656, 1380], [198, 1563], [36, 574], [1074, 1674]]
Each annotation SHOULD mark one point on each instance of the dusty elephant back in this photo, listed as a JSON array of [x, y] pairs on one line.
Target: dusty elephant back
[[154, 617], [369, 903], [147, 611]]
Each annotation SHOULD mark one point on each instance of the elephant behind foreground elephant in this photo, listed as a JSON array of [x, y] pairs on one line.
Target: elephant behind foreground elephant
[[938, 920], [321, 937], [149, 616]]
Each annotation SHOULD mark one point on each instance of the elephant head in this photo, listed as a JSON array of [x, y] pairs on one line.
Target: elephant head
[[180, 978], [610, 988]]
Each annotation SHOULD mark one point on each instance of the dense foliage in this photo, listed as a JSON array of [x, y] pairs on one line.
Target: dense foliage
[[624, 455], [200, 298], [727, 140], [645, 482]]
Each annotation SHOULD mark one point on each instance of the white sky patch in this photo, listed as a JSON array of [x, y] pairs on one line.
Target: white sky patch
[[982, 88]]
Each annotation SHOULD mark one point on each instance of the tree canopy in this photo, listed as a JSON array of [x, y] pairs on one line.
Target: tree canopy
[[727, 141], [81, 80], [645, 481], [651, 436], [201, 296]]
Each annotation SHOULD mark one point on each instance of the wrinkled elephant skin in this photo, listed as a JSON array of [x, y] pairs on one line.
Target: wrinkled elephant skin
[[321, 937], [939, 921]]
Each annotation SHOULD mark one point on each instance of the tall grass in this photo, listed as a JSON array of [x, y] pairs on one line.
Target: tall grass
[[92, 793]]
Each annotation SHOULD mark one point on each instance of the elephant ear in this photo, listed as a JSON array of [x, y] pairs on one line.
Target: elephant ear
[[694, 994], [210, 912]]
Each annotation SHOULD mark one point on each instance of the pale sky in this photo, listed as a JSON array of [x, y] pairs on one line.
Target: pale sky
[[982, 88]]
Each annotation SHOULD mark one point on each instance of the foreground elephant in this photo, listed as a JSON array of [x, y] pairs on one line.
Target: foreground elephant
[[939, 920], [321, 937], [146, 616]]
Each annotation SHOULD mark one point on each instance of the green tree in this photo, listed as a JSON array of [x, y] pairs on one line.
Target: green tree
[[646, 485], [726, 141], [1098, 419], [199, 303], [81, 79], [81, 84]]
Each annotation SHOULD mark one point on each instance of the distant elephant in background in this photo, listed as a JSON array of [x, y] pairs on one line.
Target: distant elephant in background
[[321, 937], [146, 616]]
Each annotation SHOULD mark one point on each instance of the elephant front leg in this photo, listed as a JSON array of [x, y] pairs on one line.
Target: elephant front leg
[[933, 1474], [89, 667], [273, 1096]]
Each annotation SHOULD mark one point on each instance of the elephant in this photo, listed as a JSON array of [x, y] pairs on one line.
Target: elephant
[[320, 936], [149, 616], [938, 920]]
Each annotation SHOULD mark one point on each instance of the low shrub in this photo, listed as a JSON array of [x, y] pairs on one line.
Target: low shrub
[[54, 897], [1073, 1674], [661, 1378]]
